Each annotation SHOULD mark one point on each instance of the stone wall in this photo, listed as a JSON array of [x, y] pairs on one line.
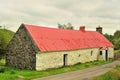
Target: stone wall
[[55, 59], [110, 54], [21, 52], [46, 60]]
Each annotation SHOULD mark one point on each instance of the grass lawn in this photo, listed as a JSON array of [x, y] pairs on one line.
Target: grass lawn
[[113, 74], [7, 73]]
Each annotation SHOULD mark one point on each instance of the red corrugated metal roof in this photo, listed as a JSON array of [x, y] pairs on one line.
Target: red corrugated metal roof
[[53, 39]]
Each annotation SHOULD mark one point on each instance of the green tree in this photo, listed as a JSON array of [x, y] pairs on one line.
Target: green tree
[[116, 44], [117, 34], [115, 39], [60, 26], [69, 26], [109, 37], [66, 26]]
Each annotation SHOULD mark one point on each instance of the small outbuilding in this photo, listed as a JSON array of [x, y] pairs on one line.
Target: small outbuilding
[[41, 48]]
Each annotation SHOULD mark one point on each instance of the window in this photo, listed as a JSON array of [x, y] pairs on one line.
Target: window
[[91, 53], [100, 52]]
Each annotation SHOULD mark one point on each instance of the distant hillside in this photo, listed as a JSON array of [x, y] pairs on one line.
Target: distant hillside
[[5, 37]]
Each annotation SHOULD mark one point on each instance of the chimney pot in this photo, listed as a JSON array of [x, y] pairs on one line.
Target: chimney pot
[[99, 29], [82, 28]]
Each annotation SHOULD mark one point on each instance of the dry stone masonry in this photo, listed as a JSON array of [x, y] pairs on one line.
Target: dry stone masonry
[[21, 52]]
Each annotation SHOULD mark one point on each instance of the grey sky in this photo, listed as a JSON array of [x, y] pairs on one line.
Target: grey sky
[[90, 13]]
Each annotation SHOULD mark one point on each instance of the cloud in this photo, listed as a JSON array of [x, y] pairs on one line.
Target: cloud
[[78, 12]]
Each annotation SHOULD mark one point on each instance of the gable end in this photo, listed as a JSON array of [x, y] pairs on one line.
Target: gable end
[[21, 51]]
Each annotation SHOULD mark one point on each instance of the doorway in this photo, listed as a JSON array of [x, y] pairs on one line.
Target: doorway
[[65, 60], [106, 54]]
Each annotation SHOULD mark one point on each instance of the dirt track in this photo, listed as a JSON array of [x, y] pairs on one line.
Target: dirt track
[[84, 74]]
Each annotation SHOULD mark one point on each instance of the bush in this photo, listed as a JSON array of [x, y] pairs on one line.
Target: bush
[[12, 72], [117, 66], [2, 70]]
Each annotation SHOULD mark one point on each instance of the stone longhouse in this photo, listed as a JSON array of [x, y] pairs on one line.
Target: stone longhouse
[[41, 48]]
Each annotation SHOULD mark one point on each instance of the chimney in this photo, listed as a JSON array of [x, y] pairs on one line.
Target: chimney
[[99, 29], [82, 28]]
